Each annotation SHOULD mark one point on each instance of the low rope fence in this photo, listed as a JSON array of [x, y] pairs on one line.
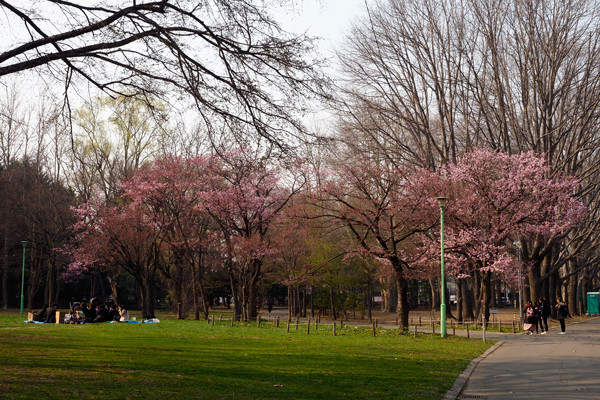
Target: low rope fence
[[417, 325]]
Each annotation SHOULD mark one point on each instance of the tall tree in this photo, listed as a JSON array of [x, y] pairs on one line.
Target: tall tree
[[172, 192], [233, 60], [383, 208], [246, 198], [427, 81], [118, 237]]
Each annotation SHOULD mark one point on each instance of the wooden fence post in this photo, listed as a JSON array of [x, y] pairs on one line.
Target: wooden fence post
[[374, 325], [468, 331], [288, 326], [308, 327], [333, 328], [415, 330]]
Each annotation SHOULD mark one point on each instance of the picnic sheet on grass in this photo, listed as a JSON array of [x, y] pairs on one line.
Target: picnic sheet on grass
[[147, 321]]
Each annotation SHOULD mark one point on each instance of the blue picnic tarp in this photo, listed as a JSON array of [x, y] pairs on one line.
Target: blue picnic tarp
[[147, 321]]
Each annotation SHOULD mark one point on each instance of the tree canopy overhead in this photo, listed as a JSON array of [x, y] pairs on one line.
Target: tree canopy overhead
[[232, 58]]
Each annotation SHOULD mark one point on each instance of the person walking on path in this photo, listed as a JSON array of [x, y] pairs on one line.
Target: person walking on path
[[561, 313], [544, 313]]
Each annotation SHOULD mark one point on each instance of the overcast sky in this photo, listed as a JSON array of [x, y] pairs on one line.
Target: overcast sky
[[328, 19]]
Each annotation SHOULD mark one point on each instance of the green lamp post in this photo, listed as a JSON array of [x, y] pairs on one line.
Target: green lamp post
[[24, 243], [442, 203]]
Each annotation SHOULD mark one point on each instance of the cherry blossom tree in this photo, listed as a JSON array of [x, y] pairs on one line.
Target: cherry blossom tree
[[383, 208], [496, 199], [172, 192], [244, 201], [118, 237]]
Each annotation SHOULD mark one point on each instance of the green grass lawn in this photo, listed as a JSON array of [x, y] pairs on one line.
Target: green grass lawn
[[196, 360]]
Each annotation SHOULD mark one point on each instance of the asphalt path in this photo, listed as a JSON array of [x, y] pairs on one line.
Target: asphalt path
[[551, 366]]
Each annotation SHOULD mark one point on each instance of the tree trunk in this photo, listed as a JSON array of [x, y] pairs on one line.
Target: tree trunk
[[476, 287], [447, 298], [147, 292], [195, 292], [304, 301], [203, 300], [252, 288], [236, 296], [486, 291], [113, 282], [572, 294], [5, 272], [385, 295], [434, 294], [290, 296], [459, 300], [312, 301], [403, 307], [369, 299], [467, 300], [50, 284], [332, 303], [534, 282]]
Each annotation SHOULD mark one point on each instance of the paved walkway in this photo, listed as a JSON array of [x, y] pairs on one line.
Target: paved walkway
[[548, 366]]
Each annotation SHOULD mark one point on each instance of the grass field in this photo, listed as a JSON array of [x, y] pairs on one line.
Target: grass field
[[196, 360]]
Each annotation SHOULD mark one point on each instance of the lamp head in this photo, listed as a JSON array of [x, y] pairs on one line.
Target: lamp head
[[442, 201], [24, 243]]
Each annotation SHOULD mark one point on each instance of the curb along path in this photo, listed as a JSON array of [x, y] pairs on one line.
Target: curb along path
[[548, 366]]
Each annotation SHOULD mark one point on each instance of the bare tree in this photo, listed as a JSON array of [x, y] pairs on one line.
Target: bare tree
[[232, 58], [426, 81]]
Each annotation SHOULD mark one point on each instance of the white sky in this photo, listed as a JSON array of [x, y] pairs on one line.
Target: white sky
[[328, 19]]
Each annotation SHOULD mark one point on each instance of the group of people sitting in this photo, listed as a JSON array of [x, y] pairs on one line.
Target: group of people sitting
[[46, 314], [81, 312], [96, 312]]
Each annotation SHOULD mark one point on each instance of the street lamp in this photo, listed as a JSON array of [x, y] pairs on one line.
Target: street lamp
[[442, 202], [24, 243]]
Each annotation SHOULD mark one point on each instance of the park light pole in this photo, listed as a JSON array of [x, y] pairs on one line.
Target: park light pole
[[24, 243], [442, 203]]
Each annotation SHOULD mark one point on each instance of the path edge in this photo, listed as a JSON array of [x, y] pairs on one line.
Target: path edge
[[460, 382]]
